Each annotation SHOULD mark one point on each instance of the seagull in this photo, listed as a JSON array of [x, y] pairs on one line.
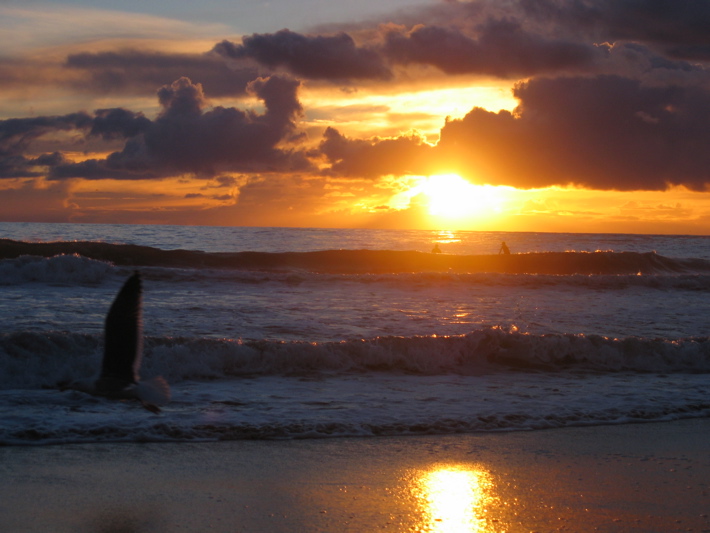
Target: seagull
[[123, 350]]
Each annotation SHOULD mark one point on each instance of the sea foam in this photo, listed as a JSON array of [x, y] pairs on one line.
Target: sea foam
[[41, 360], [62, 268]]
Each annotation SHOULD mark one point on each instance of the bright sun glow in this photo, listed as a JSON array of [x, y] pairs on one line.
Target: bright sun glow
[[449, 200], [451, 196]]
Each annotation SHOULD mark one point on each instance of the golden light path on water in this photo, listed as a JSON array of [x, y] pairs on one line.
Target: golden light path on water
[[447, 237], [454, 499]]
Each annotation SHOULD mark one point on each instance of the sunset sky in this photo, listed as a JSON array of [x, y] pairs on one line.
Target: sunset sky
[[516, 115]]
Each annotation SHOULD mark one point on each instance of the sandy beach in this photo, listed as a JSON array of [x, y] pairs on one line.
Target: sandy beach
[[642, 477]]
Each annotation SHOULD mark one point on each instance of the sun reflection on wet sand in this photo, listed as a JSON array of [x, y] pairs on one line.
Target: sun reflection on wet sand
[[454, 499]]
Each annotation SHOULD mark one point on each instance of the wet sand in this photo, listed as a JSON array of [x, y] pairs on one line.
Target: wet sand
[[642, 477]]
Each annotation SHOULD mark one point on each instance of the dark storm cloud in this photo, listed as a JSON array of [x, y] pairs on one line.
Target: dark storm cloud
[[375, 157], [116, 166], [18, 167], [118, 123], [671, 23], [16, 135], [523, 39], [606, 132], [678, 27], [501, 48], [497, 47], [333, 57], [187, 138], [133, 71]]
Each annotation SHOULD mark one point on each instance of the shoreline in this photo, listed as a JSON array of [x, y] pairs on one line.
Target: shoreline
[[638, 477]]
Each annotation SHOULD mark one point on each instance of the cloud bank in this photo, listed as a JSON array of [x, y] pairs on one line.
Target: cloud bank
[[612, 95], [185, 137]]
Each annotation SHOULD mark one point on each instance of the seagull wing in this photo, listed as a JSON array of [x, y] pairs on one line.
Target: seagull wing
[[123, 333]]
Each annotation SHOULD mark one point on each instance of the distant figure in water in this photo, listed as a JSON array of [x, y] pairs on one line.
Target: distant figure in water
[[436, 249], [123, 349], [504, 249]]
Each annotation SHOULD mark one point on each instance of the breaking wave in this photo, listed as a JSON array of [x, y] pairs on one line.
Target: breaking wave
[[31, 360], [78, 269], [364, 261]]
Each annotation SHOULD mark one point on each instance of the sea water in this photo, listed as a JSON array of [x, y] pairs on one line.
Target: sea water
[[286, 343]]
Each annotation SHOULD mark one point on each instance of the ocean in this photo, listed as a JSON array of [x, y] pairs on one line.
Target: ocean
[[284, 333]]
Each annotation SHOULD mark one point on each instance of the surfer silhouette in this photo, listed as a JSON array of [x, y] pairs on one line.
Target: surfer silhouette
[[436, 249], [504, 249]]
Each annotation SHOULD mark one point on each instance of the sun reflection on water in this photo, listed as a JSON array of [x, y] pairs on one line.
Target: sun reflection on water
[[454, 499], [447, 237]]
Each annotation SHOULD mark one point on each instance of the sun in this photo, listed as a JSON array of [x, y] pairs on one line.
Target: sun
[[452, 201], [451, 196]]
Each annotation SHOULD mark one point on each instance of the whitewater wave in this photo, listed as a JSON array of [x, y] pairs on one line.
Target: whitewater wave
[[371, 405], [112, 429], [63, 268], [32, 360]]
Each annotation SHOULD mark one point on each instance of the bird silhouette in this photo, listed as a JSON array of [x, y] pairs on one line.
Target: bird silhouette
[[123, 350]]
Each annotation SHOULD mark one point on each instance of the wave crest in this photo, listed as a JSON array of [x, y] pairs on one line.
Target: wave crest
[[44, 360], [366, 261], [63, 268]]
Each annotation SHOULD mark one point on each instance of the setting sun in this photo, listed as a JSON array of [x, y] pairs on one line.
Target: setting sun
[[451, 196], [450, 200]]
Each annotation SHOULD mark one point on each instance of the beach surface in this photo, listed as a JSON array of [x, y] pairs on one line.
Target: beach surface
[[640, 477]]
